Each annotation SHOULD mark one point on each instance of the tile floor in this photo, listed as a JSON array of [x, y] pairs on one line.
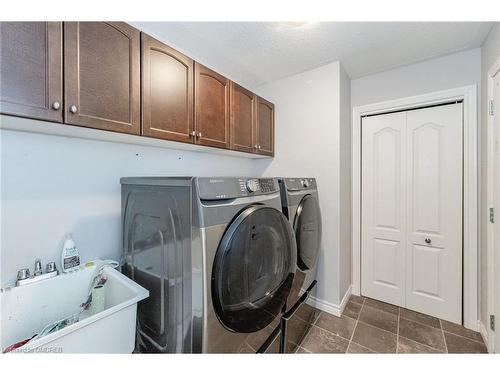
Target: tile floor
[[369, 326]]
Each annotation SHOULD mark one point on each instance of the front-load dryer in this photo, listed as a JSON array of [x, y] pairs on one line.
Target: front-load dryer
[[300, 203], [244, 252]]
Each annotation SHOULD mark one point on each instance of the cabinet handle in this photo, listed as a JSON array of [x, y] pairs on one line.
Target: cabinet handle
[[56, 105], [73, 109], [199, 135], [193, 134], [259, 147], [427, 241]]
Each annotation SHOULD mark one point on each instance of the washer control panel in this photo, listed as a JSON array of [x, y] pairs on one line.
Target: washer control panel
[[218, 188], [257, 186]]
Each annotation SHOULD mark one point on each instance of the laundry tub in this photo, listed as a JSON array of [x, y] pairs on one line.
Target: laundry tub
[[27, 309]]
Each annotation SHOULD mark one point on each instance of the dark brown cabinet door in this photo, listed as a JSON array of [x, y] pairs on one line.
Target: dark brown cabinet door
[[102, 75], [243, 119], [265, 127], [31, 69], [211, 108], [167, 92]]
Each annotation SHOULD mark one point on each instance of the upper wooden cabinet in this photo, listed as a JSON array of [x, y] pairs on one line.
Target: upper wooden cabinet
[[167, 92], [31, 70], [211, 107], [102, 75], [243, 119], [110, 76], [265, 127]]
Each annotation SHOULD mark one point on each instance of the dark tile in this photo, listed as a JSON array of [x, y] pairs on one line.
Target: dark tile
[[357, 299], [379, 319], [301, 350], [296, 329], [246, 349], [423, 334], [459, 344], [358, 349], [256, 339], [374, 338], [308, 313], [321, 341], [460, 330], [406, 346], [382, 306], [420, 318], [352, 310], [343, 326]]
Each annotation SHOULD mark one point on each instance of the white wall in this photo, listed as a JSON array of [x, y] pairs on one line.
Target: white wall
[[459, 69], [51, 185], [308, 143], [490, 53], [345, 197]]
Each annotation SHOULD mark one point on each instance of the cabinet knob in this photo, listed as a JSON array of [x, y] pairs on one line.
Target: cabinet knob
[[259, 147], [56, 105], [256, 147], [73, 109], [427, 240], [199, 135], [192, 134]]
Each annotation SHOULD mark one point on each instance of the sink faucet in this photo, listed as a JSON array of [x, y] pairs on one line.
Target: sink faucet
[[24, 277]]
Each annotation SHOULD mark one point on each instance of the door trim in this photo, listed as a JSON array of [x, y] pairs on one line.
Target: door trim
[[490, 251], [468, 94]]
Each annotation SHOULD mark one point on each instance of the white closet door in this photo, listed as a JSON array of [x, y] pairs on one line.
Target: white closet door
[[383, 207], [434, 211], [411, 245]]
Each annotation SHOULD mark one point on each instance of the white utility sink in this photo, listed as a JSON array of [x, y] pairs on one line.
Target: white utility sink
[[26, 310]]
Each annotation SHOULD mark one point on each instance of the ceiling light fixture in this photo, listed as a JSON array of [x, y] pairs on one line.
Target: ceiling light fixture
[[296, 25]]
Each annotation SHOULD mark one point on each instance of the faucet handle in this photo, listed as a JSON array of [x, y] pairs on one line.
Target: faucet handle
[[23, 274], [38, 267], [50, 267]]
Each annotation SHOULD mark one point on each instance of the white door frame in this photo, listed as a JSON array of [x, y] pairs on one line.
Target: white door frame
[[492, 72], [470, 177]]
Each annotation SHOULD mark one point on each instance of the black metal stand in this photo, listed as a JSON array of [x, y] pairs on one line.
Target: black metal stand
[[288, 315]]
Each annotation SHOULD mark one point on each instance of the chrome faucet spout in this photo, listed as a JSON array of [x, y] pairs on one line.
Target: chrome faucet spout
[[24, 277]]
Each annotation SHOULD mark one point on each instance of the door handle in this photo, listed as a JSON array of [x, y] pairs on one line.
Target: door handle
[[428, 241]]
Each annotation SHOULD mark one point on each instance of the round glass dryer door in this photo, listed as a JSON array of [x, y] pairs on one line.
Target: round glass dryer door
[[253, 269], [307, 226]]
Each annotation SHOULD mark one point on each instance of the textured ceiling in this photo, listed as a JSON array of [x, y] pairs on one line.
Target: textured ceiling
[[253, 53]]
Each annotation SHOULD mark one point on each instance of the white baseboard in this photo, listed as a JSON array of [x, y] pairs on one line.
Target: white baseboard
[[484, 333], [329, 307]]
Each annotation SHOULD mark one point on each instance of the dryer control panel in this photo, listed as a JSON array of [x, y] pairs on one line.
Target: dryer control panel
[[293, 184], [217, 188]]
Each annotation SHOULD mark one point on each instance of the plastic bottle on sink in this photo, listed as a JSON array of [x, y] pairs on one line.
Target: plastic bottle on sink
[[70, 257]]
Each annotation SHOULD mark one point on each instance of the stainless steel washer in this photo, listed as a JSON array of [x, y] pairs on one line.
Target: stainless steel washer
[[244, 248], [218, 257], [300, 203]]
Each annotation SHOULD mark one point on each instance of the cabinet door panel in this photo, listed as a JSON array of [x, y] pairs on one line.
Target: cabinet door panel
[[102, 75], [243, 118], [211, 108], [31, 69], [265, 127], [167, 92]]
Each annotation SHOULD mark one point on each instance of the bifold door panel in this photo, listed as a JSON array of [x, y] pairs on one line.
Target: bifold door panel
[[384, 198], [412, 210]]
